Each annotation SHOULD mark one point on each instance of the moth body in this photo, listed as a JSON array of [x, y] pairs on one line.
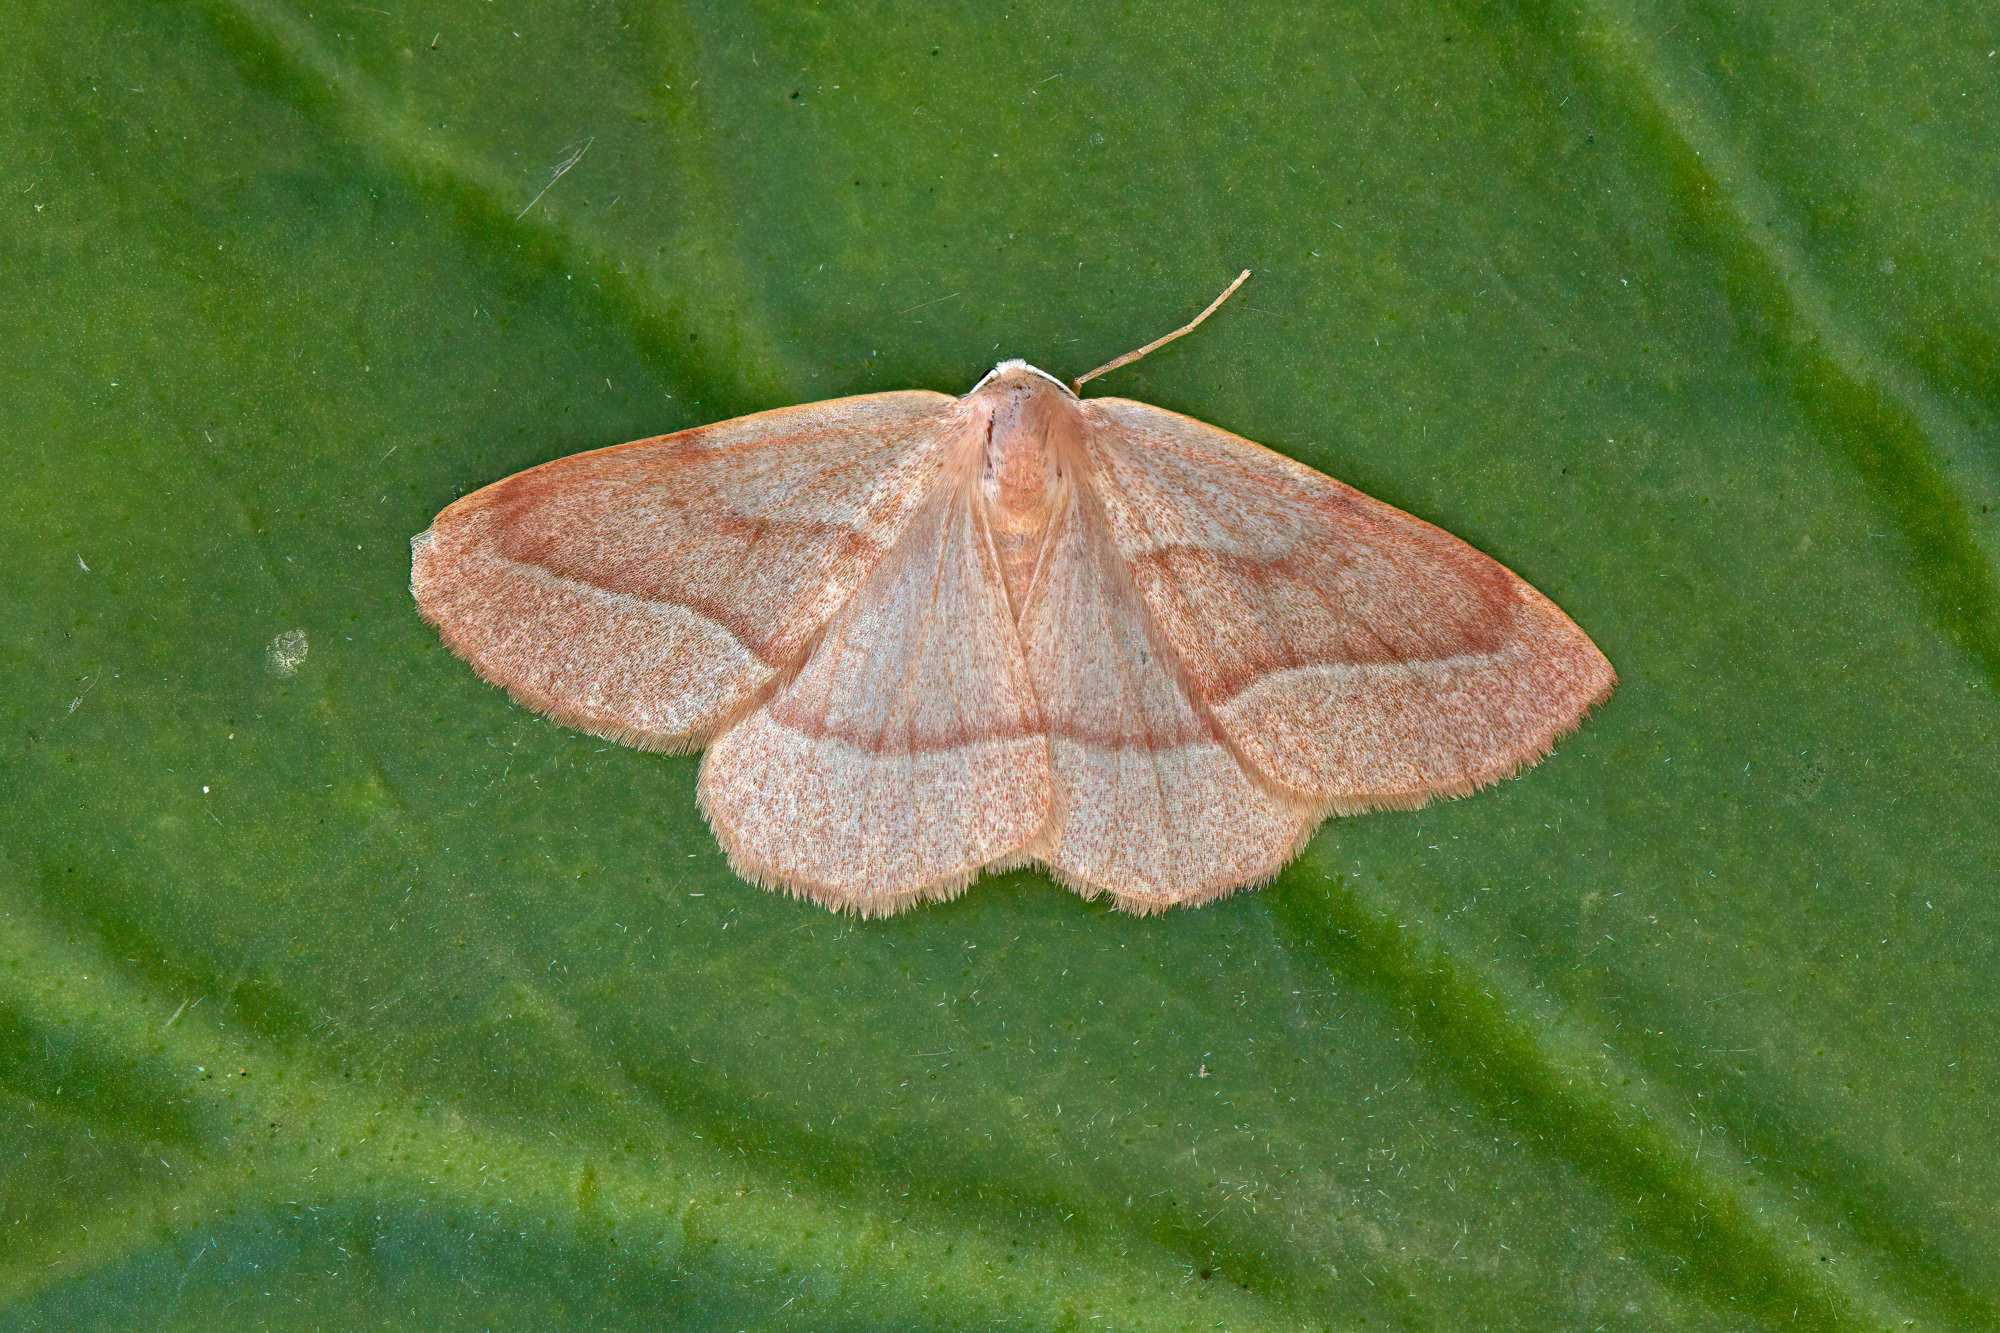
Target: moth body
[[1030, 428]]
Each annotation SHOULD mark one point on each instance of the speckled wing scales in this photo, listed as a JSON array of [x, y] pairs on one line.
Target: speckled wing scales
[[908, 753], [650, 592], [1154, 809], [1352, 654]]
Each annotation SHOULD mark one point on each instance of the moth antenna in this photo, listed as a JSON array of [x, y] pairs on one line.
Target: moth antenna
[[1076, 385]]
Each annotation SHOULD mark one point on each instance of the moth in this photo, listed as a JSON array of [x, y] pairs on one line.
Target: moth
[[919, 637]]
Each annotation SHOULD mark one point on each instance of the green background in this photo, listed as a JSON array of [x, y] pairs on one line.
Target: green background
[[356, 996]]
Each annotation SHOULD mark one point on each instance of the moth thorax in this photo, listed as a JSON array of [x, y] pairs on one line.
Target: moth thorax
[[1034, 431]]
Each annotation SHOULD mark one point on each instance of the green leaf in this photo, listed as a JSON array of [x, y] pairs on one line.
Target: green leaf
[[337, 991]]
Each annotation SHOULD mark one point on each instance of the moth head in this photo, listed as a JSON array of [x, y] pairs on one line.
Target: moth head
[[1017, 369]]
